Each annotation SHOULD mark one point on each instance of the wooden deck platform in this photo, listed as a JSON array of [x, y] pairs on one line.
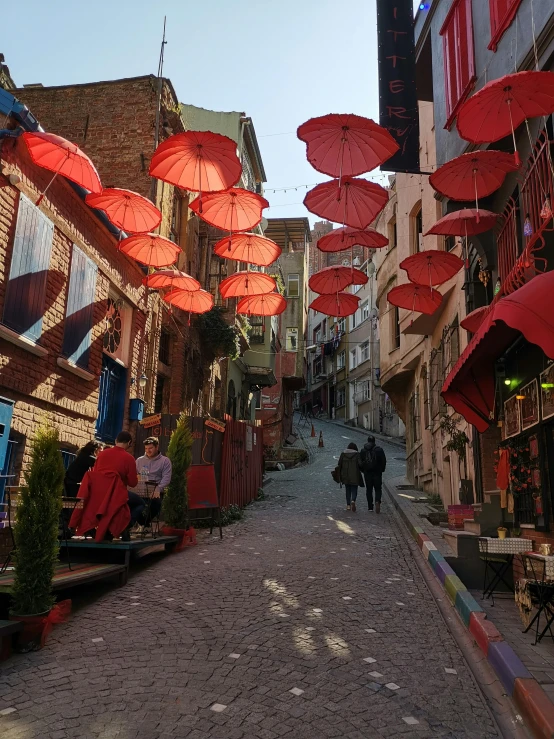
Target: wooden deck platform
[[79, 573]]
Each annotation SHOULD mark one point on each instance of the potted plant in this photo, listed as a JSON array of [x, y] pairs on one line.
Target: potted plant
[[502, 531], [36, 538], [175, 503]]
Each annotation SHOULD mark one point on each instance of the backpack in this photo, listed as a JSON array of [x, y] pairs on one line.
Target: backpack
[[335, 474], [373, 461]]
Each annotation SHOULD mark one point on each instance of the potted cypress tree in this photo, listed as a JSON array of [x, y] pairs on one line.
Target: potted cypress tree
[[36, 537], [175, 503]]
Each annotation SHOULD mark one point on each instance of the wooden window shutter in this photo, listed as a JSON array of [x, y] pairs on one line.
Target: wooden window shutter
[[465, 51], [502, 13], [79, 311], [459, 56], [26, 288]]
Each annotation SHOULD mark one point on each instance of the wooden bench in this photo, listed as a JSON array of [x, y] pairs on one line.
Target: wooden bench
[[80, 573]]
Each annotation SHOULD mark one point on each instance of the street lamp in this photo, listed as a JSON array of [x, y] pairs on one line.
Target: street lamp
[[142, 380]]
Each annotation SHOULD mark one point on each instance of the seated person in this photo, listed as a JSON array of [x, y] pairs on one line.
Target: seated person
[[84, 461], [153, 467], [119, 459]]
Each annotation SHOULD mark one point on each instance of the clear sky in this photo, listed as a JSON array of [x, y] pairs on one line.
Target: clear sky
[[278, 61]]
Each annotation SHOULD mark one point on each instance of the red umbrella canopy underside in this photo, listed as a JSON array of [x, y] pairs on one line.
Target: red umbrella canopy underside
[[346, 145], [465, 222], [197, 301], [474, 175], [270, 304], [231, 210], [198, 161], [353, 201], [341, 239], [416, 298], [431, 267], [339, 304], [246, 283], [249, 248], [335, 279], [473, 321], [150, 249], [126, 209], [171, 278]]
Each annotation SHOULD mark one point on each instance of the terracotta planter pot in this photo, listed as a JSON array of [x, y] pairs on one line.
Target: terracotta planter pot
[[29, 639], [183, 534]]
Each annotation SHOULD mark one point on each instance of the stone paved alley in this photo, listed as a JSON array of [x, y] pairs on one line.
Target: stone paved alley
[[306, 621]]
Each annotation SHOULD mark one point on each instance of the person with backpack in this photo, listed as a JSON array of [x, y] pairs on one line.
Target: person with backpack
[[349, 474], [373, 462]]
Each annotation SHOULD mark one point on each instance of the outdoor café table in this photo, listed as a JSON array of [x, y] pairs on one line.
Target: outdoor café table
[[498, 555]]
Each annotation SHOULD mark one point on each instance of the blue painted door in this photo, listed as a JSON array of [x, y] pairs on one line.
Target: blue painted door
[[6, 412], [111, 402]]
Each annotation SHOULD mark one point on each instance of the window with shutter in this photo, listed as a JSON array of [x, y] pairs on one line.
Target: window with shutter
[[502, 14], [26, 288], [459, 58], [80, 306]]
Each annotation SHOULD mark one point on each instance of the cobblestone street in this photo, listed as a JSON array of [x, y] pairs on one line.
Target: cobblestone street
[[306, 621]]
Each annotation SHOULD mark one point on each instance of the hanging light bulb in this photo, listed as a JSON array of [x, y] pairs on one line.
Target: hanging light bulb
[[527, 226], [546, 211]]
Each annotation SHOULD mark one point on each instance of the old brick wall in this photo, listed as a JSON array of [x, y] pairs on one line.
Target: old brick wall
[[39, 386]]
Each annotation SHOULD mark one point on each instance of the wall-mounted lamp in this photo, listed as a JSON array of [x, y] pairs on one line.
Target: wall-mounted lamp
[[142, 380]]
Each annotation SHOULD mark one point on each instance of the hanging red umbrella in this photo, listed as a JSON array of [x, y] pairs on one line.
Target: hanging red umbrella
[[341, 239], [196, 301], [127, 210], [198, 161], [232, 210], [415, 298], [336, 278], [249, 248], [502, 105], [150, 249], [246, 283], [339, 304], [352, 201], [473, 321], [346, 145], [474, 175], [62, 157], [431, 267], [271, 304], [465, 222], [171, 278]]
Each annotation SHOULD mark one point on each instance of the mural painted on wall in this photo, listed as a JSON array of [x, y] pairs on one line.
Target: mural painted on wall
[[512, 424], [530, 405], [547, 392]]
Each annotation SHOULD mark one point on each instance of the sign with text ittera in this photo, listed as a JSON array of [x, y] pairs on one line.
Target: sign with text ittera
[[397, 84]]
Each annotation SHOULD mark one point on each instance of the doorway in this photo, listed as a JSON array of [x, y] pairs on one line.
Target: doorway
[[111, 400]]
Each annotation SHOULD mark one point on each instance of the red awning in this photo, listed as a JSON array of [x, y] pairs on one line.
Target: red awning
[[470, 386]]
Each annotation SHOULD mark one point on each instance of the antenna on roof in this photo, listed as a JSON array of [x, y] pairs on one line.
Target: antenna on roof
[[160, 82]]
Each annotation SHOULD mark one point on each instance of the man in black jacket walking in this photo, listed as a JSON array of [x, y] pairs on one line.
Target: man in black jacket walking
[[373, 462]]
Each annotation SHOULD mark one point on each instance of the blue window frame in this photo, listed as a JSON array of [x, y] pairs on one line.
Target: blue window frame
[[26, 289], [80, 307], [111, 400], [67, 458]]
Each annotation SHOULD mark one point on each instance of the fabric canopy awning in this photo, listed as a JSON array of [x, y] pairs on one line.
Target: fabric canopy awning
[[470, 386]]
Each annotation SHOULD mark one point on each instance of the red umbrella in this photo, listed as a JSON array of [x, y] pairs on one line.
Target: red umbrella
[[246, 283], [473, 321], [127, 210], [271, 304], [232, 210], [341, 239], [196, 301], [339, 304], [502, 105], [349, 145], [62, 157], [415, 298], [431, 267], [199, 161], [474, 175], [172, 278], [150, 249], [336, 278], [352, 201], [465, 222], [249, 248]]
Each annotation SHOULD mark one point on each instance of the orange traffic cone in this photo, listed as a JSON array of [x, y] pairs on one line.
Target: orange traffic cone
[[313, 431], [320, 439]]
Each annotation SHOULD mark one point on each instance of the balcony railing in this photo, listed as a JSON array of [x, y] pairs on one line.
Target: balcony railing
[[507, 240], [538, 183]]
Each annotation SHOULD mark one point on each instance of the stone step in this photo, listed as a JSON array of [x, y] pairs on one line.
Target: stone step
[[472, 527]]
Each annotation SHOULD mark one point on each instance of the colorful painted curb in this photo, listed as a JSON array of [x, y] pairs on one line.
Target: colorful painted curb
[[529, 697]]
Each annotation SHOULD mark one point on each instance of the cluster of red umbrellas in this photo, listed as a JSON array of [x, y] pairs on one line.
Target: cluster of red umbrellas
[[344, 146]]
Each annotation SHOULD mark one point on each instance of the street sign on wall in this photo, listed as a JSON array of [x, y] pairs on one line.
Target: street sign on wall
[[397, 82]]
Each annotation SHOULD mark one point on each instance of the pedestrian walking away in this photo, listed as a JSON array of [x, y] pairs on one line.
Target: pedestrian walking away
[[350, 475], [373, 462]]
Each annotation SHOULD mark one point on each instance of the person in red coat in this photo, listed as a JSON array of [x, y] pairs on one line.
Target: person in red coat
[[110, 506]]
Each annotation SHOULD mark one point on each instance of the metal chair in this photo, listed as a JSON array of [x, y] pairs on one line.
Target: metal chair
[[496, 566], [541, 591], [153, 525]]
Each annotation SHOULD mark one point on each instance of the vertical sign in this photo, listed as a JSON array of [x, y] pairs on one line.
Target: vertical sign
[[397, 87]]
